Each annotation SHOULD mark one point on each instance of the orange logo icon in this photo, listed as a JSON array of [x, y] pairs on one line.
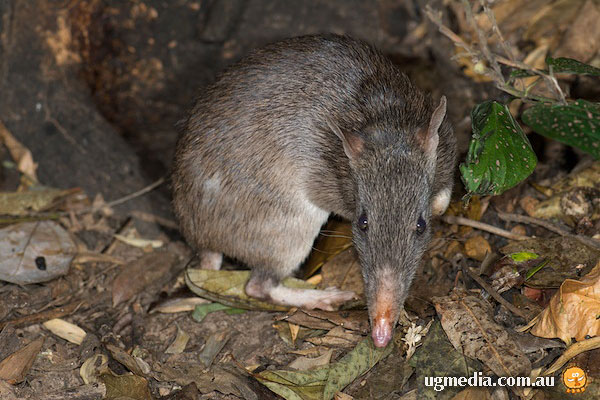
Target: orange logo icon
[[574, 379]]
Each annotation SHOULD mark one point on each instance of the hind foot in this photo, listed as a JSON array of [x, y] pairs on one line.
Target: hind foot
[[330, 299]]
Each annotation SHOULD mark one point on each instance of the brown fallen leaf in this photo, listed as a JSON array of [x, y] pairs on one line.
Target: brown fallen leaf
[[19, 153], [468, 322], [477, 247], [212, 348], [89, 257], [283, 329], [574, 350], [304, 363], [9, 341], [337, 337], [132, 240], [333, 239], [93, 367], [343, 272], [342, 396], [65, 330], [177, 346], [473, 393], [529, 205], [294, 330], [135, 276], [15, 367], [125, 387], [574, 311], [581, 39], [7, 392], [219, 378], [551, 19], [584, 178], [356, 320], [178, 305], [125, 359], [24, 203]]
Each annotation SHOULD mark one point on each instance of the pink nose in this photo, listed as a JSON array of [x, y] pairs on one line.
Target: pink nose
[[382, 332]]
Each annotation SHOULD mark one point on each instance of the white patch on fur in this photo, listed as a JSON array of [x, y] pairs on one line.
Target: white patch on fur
[[440, 202], [306, 223], [317, 213], [212, 186]]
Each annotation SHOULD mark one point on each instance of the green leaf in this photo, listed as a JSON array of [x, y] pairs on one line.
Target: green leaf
[[500, 155], [521, 256], [361, 359], [438, 357], [576, 124], [570, 66], [324, 382], [202, 310]]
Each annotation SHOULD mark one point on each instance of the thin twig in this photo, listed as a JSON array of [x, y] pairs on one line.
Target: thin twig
[[139, 193], [483, 52], [572, 351], [496, 29], [121, 200], [549, 226], [451, 219], [494, 293], [483, 45], [38, 317], [554, 86]]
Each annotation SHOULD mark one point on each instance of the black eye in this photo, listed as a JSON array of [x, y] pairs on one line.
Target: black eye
[[363, 223], [421, 225]]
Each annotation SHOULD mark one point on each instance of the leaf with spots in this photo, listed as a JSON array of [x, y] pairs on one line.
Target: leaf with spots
[[570, 66], [324, 382], [500, 155], [560, 65], [576, 124]]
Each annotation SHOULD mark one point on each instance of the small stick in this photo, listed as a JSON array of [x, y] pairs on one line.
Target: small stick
[[121, 200], [572, 351], [494, 293], [43, 315], [549, 226], [451, 219], [139, 193]]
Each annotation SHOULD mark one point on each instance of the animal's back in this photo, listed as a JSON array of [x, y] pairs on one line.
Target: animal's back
[[242, 162]]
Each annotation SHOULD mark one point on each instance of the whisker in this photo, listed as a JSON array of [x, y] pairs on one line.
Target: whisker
[[335, 236]]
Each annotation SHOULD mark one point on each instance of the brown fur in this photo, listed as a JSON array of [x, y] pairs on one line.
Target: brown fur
[[262, 135]]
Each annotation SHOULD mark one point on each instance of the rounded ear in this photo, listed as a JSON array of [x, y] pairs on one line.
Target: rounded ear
[[353, 143], [429, 138]]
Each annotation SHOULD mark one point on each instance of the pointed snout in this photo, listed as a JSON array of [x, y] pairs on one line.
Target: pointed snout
[[386, 296], [381, 331]]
